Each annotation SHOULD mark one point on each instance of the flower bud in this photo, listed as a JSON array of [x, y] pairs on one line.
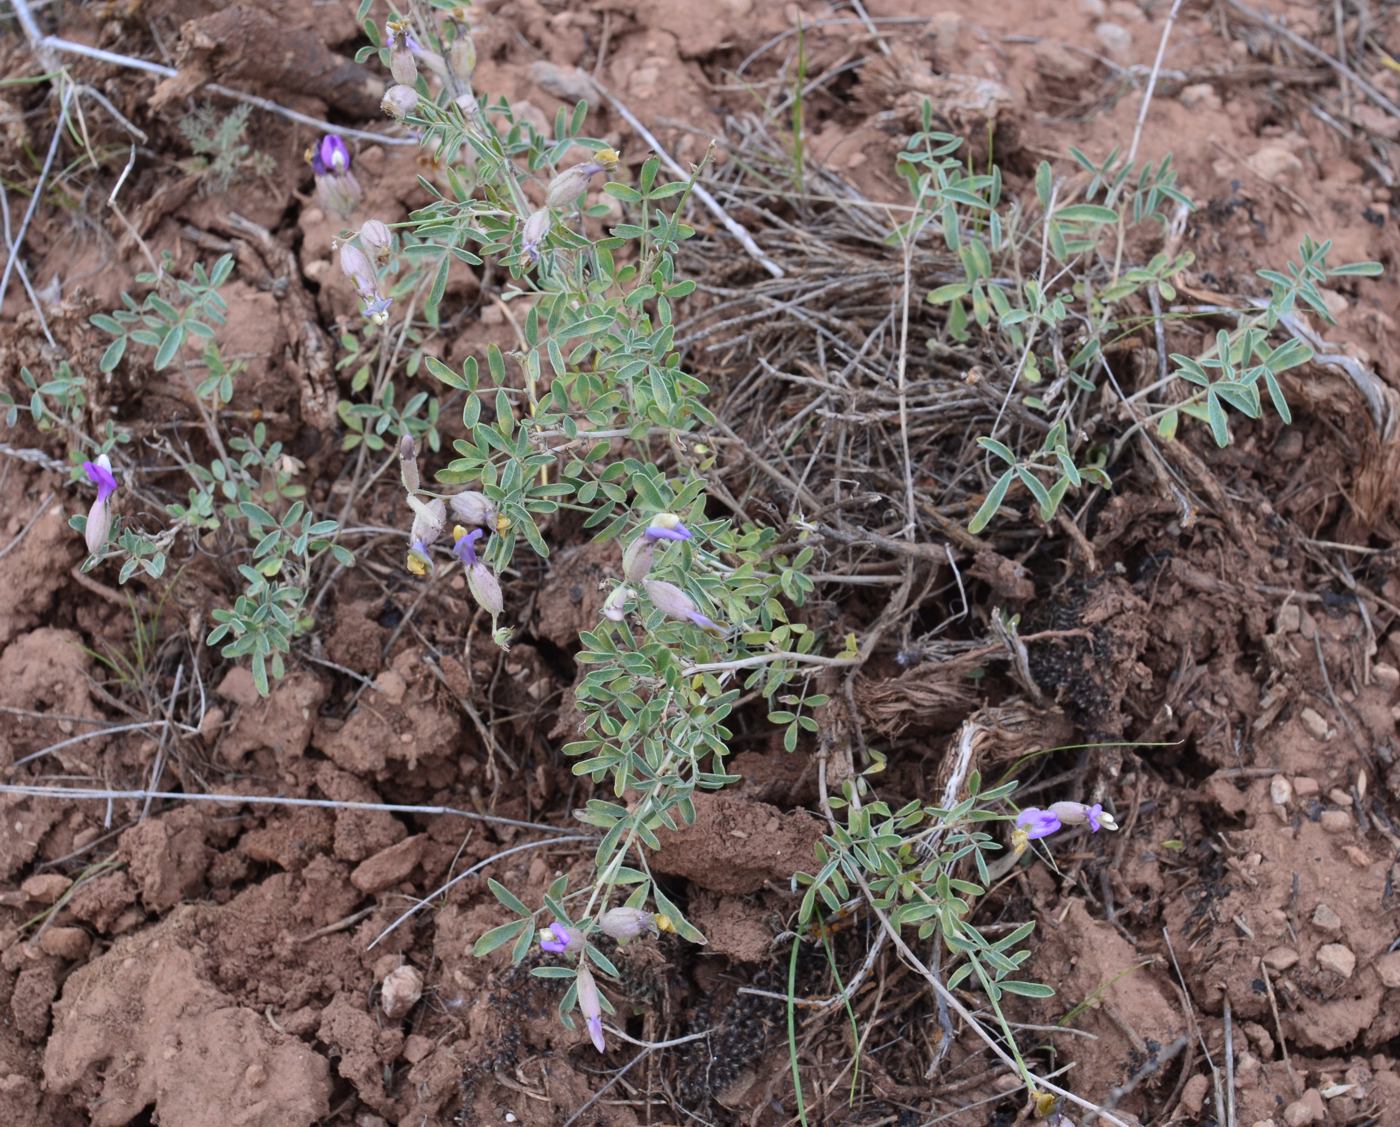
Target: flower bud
[[375, 235], [461, 56], [399, 101], [590, 1004], [675, 603], [473, 509], [636, 560], [402, 65], [627, 923], [408, 464]]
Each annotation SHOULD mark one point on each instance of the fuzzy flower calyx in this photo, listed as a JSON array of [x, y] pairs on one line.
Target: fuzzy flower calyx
[[590, 1004], [408, 465], [481, 581], [535, 231], [429, 519], [675, 603], [1077, 814], [475, 510], [374, 234], [99, 519], [399, 101], [628, 923], [568, 185], [358, 268]]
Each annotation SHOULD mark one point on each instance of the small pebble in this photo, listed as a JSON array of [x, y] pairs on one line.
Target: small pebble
[[1288, 618], [1326, 920], [1118, 41], [70, 943], [1280, 958], [1336, 958], [401, 991], [1335, 822], [1193, 1096], [1314, 723], [1386, 675], [1304, 786], [1388, 967], [45, 888], [1280, 790], [1339, 797]]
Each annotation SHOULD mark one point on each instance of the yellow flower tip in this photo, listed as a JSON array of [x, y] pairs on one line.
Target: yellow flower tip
[[666, 520], [502, 524], [665, 923], [416, 563], [1044, 1102], [309, 155], [458, 532], [608, 158], [1020, 841]]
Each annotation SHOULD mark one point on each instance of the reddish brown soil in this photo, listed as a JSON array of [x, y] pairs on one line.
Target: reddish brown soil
[[202, 965]]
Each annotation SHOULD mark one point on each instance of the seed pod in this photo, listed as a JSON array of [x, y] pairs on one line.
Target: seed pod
[[399, 101], [375, 235]]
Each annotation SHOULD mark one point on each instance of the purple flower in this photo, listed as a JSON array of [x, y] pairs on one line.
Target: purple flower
[[101, 475], [481, 581], [377, 310], [666, 526], [331, 157], [99, 518], [399, 35], [556, 938], [1037, 823], [465, 548]]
